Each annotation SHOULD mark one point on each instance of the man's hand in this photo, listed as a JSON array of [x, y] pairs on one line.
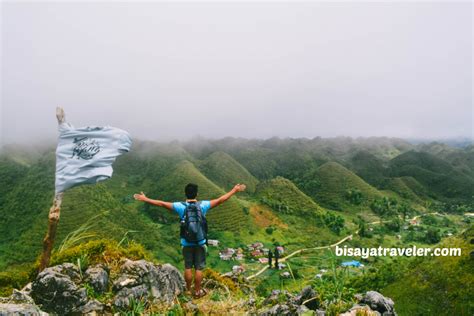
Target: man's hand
[[240, 187], [237, 188], [140, 197]]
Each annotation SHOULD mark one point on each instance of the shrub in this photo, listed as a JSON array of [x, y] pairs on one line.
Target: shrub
[[14, 279], [210, 274], [83, 255], [354, 196], [100, 251]]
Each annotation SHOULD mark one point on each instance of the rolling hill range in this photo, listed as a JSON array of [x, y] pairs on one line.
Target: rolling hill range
[[438, 176], [302, 175], [460, 158], [160, 171]]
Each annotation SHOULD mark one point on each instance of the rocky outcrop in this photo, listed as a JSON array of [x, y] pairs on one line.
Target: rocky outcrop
[[143, 279], [307, 297], [379, 303], [307, 303], [98, 278], [284, 303], [9, 309], [62, 289], [57, 289], [19, 303]]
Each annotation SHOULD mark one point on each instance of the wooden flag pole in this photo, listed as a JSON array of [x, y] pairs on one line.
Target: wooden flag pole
[[48, 241], [54, 214]]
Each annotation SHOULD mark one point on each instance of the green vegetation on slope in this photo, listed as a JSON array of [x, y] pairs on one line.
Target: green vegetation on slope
[[435, 174], [369, 167], [399, 186], [335, 181], [225, 171], [444, 283], [110, 220], [283, 196], [26, 201]]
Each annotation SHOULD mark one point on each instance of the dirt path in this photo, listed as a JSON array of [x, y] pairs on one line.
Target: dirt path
[[434, 213], [301, 251]]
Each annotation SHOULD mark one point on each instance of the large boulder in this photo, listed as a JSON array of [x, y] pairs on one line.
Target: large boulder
[[98, 278], [60, 290], [142, 279], [13, 309], [19, 303], [378, 302], [307, 297], [55, 289], [92, 307], [284, 303]]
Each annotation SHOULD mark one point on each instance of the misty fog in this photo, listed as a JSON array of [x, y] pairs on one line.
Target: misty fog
[[167, 71]]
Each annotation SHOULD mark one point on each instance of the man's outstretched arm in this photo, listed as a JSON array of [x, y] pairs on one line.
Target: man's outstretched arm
[[144, 198], [225, 197]]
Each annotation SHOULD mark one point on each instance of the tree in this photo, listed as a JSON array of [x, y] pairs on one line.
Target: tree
[[432, 236], [334, 222], [363, 231], [354, 196]]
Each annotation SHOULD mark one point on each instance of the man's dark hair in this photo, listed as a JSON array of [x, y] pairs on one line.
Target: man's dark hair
[[191, 190]]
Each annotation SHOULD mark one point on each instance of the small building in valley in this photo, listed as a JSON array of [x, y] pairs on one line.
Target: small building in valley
[[213, 242], [263, 260]]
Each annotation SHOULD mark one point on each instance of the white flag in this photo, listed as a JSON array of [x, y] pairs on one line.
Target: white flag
[[85, 155]]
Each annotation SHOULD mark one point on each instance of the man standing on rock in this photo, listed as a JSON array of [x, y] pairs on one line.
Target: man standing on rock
[[193, 229]]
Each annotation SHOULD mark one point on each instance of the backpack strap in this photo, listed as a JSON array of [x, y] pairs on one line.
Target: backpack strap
[[186, 207]]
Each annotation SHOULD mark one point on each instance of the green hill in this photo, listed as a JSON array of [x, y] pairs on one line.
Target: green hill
[[105, 216], [399, 186], [461, 159], [26, 199], [334, 183], [225, 171], [435, 174], [11, 173], [444, 283], [282, 195], [369, 167], [158, 170], [258, 161]]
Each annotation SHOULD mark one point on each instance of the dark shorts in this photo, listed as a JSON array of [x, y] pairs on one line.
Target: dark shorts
[[194, 257]]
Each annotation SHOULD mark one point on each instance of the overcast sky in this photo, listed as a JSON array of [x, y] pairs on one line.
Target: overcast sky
[[165, 71]]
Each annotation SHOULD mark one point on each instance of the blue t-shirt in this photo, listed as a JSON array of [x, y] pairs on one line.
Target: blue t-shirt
[[179, 208]]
